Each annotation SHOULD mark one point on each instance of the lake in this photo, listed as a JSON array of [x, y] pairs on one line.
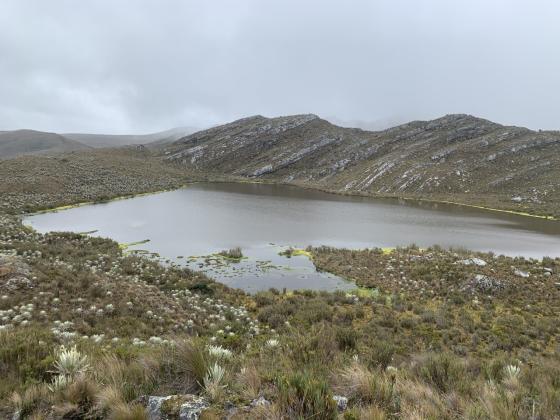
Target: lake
[[203, 219]]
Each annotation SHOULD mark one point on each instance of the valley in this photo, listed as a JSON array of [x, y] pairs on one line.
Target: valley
[[425, 331]]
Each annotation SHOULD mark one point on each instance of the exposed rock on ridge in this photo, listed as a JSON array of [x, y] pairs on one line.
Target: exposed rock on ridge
[[454, 155]]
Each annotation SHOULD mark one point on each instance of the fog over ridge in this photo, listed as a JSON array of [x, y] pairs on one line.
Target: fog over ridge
[[145, 66]]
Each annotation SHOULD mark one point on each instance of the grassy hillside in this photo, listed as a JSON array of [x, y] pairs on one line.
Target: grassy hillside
[[30, 142], [39, 182], [25, 142], [115, 140]]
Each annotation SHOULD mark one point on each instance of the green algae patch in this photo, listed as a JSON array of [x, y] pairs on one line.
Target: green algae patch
[[126, 245], [294, 252], [231, 259], [364, 292], [108, 200], [89, 232], [480, 207]]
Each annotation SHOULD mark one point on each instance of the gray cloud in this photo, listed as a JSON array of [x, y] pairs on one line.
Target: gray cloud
[[140, 65]]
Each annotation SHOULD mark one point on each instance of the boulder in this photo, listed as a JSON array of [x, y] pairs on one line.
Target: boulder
[[484, 284]]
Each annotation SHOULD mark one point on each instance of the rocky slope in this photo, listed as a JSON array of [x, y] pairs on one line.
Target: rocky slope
[[456, 157]]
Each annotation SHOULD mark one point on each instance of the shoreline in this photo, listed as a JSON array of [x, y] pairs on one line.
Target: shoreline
[[304, 187]]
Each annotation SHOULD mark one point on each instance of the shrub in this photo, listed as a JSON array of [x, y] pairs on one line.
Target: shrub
[[444, 371], [301, 395], [186, 364], [25, 357], [380, 354], [346, 338], [29, 400], [362, 386]]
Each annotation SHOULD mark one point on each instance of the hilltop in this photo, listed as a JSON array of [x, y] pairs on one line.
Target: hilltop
[[20, 142], [118, 140], [31, 142]]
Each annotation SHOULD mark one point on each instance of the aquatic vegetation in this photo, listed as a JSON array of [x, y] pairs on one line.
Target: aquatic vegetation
[[126, 246], [232, 254], [294, 252]]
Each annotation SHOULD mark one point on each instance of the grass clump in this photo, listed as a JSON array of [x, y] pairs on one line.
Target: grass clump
[[232, 254], [302, 395]]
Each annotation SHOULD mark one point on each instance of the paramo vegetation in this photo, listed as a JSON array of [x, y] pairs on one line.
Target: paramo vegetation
[[89, 330]]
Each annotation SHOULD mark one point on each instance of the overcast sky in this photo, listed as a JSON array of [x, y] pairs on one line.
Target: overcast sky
[[119, 66]]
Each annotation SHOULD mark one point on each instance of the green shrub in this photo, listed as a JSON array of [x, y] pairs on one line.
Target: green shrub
[[302, 396], [346, 338], [25, 356], [380, 354], [443, 371]]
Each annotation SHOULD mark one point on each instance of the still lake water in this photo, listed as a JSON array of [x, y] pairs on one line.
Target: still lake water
[[203, 219]]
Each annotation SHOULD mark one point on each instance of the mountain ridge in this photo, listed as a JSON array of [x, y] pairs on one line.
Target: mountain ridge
[[454, 155]]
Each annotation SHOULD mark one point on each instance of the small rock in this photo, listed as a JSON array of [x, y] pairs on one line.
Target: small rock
[[341, 402], [154, 407], [191, 410], [474, 261], [261, 401], [520, 273]]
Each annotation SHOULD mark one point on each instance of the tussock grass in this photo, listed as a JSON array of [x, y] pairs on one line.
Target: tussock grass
[[232, 254]]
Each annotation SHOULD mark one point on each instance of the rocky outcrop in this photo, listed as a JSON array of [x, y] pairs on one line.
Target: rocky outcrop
[[484, 284], [182, 407]]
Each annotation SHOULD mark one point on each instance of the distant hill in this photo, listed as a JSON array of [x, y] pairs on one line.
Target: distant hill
[[116, 140], [22, 142], [456, 157], [31, 142]]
